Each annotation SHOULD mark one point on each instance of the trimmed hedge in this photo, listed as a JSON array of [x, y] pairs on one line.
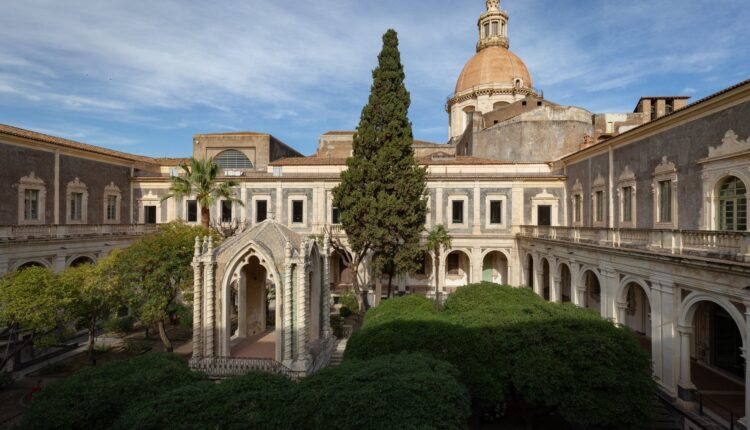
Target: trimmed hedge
[[405, 391], [510, 344], [94, 397], [256, 400]]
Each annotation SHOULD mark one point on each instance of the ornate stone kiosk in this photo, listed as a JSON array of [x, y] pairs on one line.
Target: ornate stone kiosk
[[261, 302]]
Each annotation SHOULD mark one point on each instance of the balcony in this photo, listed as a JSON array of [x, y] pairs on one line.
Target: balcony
[[32, 232], [723, 245]]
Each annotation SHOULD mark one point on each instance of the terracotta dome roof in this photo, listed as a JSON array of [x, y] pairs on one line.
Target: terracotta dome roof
[[493, 65]]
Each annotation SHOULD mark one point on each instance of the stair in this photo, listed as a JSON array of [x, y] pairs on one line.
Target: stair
[[663, 418], [338, 353]]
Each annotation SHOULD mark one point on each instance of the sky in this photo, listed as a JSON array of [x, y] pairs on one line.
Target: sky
[[144, 76]]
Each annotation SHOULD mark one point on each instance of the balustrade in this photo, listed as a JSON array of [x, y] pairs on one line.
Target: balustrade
[[714, 244], [26, 232]]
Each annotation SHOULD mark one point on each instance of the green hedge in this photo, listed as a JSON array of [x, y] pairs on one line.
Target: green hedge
[[509, 343], [94, 397], [405, 391], [256, 400]]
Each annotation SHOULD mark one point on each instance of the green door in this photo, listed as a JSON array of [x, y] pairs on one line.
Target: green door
[[487, 269]]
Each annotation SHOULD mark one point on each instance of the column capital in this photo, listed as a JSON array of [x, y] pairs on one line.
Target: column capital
[[685, 330], [622, 305]]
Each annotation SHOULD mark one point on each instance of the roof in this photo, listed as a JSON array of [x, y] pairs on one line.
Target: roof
[[493, 65], [309, 161], [270, 236], [338, 133], [167, 161], [664, 118], [233, 133], [59, 141], [425, 143], [425, 161], [664, 97]]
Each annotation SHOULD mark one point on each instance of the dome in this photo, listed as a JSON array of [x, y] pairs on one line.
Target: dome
[[493, 65]]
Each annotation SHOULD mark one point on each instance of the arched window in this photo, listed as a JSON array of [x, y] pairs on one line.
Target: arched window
[[233, 159], [733, 205]]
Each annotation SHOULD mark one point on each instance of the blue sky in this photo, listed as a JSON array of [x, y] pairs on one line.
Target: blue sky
[[144, 76]]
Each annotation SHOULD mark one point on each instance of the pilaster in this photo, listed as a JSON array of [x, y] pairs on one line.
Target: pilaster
[[197, 287], [665, 349], [326, 300], [286, 329], [210, 299]]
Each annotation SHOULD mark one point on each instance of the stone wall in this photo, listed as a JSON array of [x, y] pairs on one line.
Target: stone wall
[[17, 162], [96, 175]]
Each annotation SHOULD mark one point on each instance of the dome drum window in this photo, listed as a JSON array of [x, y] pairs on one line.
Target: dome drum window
[[233, 159]]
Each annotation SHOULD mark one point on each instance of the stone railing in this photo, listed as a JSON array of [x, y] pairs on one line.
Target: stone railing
[[723, 245], [27, 232], [225, 367]]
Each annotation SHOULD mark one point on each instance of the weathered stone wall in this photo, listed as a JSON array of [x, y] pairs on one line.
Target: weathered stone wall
[[543, 134], [586, 172], [15, 163], [96, 175], [684, 146]]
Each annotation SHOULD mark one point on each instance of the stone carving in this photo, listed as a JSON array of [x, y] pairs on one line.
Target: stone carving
[[493, 4], [627, 175], [665, 167], [731, 144]]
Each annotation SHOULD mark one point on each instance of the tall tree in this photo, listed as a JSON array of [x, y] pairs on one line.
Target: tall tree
[[95, 293], [156, 270], [437, 240], [30, 300], [381, 196], [200, 179]]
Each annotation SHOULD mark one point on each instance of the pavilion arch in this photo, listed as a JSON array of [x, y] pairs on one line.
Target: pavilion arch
[[269, 256], [80, 259], [588, 297], [638, 317], [496, 266]]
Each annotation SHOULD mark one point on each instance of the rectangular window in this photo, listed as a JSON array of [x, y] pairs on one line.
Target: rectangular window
[[149, 212], [298, 207], [31, 205], [665, 201], [627, 204], [111, 208], [494, 28], [76, 206], [486, 30], [335, 218], [578, 205], [599, 206], [226, 211], [458, 212], [496, 212], [544, 215], [192, 211], [261, 210]]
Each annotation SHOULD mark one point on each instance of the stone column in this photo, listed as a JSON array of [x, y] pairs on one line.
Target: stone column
[[4, 265], [326, 300], [607, 303], [197, 298], [477, 266], [538, 277], [577, 290], [286, 329], [555, 289], [746, 355], [686, 384], [622, 308], [443, 269], [210, 299], [58, 264], [303, 285], [241, 306], [666, 352]]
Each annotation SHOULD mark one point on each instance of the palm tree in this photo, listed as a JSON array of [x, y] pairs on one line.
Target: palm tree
[[437, 239], [199, 180]]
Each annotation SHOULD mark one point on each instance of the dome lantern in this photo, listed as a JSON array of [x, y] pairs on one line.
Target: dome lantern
[[493, 27]]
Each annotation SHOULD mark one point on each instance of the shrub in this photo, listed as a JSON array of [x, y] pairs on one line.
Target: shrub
[[348, 302], [509, 341], [94, 397], [256, 400], [405, 391], [122, 325]]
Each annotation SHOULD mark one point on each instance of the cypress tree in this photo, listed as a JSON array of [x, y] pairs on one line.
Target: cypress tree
[[381, 196]]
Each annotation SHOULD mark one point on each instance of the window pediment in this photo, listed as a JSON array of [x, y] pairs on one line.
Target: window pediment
[[730, 145], [666, 167]]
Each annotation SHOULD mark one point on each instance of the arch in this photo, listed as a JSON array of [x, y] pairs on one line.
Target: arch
[[530, 271], [499, 105], [626, 283], [25, 264], [457, 268], [632, 311], [689, 306], [566, 282], [233, 159], [236, 264], [546, 273], [495, 267], [592, 287], [79, 260], [341, 276]]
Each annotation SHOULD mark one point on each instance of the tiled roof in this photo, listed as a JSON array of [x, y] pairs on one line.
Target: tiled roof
[[309, 161], [425, 161], [338, 133], [45, 138], [171, 161], [234, 133]]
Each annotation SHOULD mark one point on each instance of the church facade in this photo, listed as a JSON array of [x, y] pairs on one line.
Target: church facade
[[640, 216]]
